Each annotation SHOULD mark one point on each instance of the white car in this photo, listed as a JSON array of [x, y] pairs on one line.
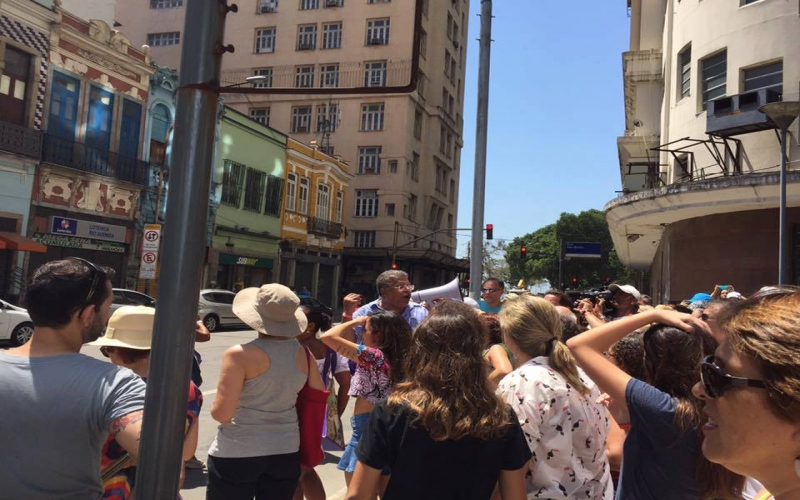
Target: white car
[[216, 309], [15, 324]]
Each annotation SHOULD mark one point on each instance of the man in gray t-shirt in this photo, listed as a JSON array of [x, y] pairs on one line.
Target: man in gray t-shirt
[[59, 406]]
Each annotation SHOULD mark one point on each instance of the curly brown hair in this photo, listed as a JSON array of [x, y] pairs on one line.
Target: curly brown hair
[[394, 340], [447, 386]]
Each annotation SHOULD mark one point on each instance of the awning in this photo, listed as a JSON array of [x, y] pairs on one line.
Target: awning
[[14, 241]]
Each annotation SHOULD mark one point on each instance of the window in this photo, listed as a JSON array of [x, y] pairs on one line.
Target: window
[[272, 200], [332, 35], [418, 124], [748, 2], [165, 4], [307, 37], [64, 95], [309, 4], [415, 166], [412, 207], [304, 76], [393, 166], [254, 190], [449, 145], [366, 203], [369, 160], [291, 187], [390, 209], [769, 76], [303, 195], [452, 190], [266, 6], [449, 26], [421, 85], [685, 67], [327, 118], [334, 3], [447, 60], [449, 221], [435, 216], [423, 44], [100, 118], [375, 74], [380, 1], [714, 71], [442, 139], [372, 117], [378, 32], [323, 201], [14, 96], [130, 126], [232, 180], [261, 115], [301, 120], [337, 217], [365, 239], [441, 175], [267, 81], [163, 39], [265, 40], [329, 75]]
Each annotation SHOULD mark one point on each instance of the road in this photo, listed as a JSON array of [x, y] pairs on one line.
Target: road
[[195, 485]]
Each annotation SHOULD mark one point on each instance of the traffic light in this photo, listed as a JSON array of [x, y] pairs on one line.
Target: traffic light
[[574, 283], [489, 231], [523, 252], [394, 266]]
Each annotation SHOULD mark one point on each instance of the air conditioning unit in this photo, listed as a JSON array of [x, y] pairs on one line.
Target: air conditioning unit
[[305, 46], [333, 3], [376, 41], [268, 7], [739, 114]]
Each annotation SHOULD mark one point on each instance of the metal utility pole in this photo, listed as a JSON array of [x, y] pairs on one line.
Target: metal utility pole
[[481, 131], [184, 247]]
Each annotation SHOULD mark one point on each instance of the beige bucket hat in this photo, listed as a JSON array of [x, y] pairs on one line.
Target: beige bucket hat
[[130, 327], [271, 309]]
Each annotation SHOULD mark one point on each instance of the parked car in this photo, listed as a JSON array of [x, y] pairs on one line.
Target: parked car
[[216, 309], [315, 305], [123, 297], [15, 324]]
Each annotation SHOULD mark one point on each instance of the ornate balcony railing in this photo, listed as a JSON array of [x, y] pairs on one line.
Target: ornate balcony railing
[[324, 227], [20, 140], [94, 160]]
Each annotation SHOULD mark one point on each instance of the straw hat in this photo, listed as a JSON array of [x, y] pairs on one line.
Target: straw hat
[[271, 309], [130, 327]]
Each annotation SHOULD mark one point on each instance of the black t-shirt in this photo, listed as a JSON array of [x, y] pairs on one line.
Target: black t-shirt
[[422, 468]]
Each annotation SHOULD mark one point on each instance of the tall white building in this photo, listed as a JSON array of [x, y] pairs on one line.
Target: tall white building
[[698, 161]]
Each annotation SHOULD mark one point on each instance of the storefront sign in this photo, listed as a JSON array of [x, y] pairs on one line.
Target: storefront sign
[[87, 229], [238, 260], [58, 240]]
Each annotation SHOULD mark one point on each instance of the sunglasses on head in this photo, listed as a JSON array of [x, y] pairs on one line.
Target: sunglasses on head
[[96, 274], [716, 382]]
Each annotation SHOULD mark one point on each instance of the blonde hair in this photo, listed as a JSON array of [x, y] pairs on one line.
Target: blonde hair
[[534, 326]]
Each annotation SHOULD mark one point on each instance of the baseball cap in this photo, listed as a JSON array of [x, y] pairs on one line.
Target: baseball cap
[[629, 289]]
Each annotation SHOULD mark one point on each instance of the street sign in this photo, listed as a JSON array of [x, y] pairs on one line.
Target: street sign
[[151, 239], [582, 250], [147, 271]]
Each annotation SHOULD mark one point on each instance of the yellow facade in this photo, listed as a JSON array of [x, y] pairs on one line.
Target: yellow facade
[[312, 221]]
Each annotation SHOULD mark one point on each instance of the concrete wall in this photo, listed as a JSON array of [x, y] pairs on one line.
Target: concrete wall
[[739, 249]]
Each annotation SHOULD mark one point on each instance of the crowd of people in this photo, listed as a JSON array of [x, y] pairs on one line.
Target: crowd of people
[[512, 397]]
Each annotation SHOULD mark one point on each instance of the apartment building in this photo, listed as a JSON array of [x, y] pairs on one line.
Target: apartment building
[[403, 149], [699, 163]]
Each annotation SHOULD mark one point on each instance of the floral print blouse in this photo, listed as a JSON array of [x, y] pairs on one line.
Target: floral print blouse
[[565, 431], [372, 380]]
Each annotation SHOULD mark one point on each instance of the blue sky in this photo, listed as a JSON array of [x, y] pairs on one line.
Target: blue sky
[[555, 111]]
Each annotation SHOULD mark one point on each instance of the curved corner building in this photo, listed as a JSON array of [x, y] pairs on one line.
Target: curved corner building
[[699, 163]]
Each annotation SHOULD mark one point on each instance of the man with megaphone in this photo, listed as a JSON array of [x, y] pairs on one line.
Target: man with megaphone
[[394, 290]]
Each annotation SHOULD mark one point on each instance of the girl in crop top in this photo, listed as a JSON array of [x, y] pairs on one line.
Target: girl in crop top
[[379, 364]]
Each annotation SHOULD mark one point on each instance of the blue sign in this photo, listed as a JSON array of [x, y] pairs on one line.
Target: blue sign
[[61, 225], [583, 250]]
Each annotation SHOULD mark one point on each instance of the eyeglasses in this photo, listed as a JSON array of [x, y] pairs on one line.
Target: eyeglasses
[[407, 286], [106, 351], [96, 274], [489, 290], [716, 382]]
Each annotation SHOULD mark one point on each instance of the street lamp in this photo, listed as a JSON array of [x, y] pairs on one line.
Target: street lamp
[[782, 114], [249, 80]]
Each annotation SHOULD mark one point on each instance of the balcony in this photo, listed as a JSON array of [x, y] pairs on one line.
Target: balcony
[[324, 227], [20, 140], [98, 161]]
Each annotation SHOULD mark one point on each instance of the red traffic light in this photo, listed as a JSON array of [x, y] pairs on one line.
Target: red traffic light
[[574, 282], [523, 251], [489, 231], [394, 266]]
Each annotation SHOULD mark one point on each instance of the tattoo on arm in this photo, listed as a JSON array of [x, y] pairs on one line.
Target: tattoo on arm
[[124, 421]]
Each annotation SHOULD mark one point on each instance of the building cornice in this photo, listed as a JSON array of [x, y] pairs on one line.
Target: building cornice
[[30, 12]]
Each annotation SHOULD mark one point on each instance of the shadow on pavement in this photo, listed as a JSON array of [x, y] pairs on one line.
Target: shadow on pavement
[[195, 478]]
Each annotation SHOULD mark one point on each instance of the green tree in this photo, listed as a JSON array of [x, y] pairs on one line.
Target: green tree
[[543, 252]]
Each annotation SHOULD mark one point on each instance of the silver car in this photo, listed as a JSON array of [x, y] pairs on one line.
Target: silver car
[[123, 297], [216, 309]]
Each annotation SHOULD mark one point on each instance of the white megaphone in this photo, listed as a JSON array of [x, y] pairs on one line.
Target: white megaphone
[[448, 291]]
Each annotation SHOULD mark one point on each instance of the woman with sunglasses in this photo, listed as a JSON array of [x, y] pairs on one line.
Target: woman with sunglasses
[[662, 457], [751, 393]]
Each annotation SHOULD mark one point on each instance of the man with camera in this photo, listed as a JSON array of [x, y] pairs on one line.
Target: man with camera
[[624, 302]]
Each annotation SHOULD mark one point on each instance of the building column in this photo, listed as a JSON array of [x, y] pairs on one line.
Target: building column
[[291, 265], [337, 271], [315, 279]]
